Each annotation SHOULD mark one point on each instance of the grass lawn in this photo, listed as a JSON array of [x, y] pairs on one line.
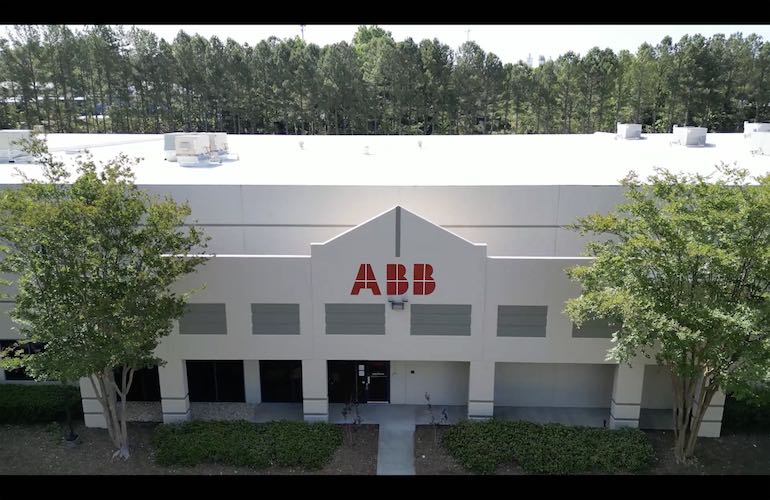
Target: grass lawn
[[733, 453], [39, 449]]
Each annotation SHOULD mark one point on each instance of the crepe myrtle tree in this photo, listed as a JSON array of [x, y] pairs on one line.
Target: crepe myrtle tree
[[685, 273], [93, 260]]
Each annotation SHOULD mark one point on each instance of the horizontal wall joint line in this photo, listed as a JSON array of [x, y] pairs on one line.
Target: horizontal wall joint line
[[626, 404]]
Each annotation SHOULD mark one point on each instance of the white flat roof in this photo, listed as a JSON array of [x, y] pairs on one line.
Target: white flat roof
[[489, 160]]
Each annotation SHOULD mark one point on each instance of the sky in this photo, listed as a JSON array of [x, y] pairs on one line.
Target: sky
[[511, 43]]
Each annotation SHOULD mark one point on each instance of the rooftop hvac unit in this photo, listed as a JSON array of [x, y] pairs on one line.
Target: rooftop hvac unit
[[10, 149], [760, 142], [191, 149], [629, 131], [169, 145], [690, 136], [218, 142], [749, 128]]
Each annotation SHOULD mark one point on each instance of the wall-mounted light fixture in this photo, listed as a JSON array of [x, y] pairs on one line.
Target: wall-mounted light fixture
[[397, 304]]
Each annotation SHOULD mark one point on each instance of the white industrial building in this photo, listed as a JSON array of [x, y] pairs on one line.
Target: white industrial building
[[381, 268]]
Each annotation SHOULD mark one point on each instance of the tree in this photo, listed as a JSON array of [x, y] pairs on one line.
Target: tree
[[686, 275], [520, 81], [567, 70], [469, 84], [93, 262]]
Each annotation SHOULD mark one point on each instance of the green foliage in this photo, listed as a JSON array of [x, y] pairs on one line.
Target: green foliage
[[686, 273], [37, 403], [684, 267], [749, 413], [128, 81], [283, 443], [547, 449], [93, 261]]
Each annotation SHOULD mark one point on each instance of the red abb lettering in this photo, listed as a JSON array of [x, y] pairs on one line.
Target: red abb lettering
[[397, 282], [424, 283], [365, 279]]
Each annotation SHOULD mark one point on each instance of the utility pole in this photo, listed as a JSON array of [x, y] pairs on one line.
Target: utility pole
[[467, 35], [302, 29]]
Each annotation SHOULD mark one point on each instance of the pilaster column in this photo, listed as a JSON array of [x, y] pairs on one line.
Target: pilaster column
[[711, 426], [626, 399], [315, 389], [175, 398], [481, 390], [93, 414]]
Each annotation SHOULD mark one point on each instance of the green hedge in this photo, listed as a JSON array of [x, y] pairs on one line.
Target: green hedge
[[547, 449], [301, 444], [37, 403], [748, 414]]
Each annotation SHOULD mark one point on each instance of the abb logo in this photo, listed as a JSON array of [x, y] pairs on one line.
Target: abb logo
[[397, 284]]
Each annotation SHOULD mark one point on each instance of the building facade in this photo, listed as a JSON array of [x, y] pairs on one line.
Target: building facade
[[328, 292], [399, 306]]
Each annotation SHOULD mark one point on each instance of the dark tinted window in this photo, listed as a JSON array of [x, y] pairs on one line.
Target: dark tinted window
[[215, 381]]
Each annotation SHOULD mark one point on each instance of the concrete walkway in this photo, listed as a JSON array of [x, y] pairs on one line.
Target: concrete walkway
[[395, 449]]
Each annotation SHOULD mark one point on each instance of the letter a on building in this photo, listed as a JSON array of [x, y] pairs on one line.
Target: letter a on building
[[365, 279]]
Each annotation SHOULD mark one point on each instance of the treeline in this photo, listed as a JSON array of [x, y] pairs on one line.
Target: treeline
[[113, 79]]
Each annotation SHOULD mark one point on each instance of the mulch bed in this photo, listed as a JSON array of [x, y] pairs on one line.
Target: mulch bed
[[733, 453], [39, 449]]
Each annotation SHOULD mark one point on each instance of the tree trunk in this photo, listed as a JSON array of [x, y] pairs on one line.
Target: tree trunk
[[107, 391], [692, 397]]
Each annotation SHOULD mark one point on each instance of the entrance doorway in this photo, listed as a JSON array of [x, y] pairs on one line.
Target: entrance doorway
[[359, 381]]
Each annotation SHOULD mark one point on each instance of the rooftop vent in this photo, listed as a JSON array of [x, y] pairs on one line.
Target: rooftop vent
[[218, 143], [629, 131], [690, 136], [169, 145], [197, 148], [10, 149], [192, 149], [760, 142], [749, 128]]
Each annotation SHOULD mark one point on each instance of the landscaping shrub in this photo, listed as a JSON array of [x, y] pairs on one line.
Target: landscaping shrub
[[283, 443], [547, 449], [748, 414], [37, 403]]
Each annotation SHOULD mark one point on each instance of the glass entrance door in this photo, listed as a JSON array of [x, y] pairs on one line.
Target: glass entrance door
[[359, 381], [378, 381]]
